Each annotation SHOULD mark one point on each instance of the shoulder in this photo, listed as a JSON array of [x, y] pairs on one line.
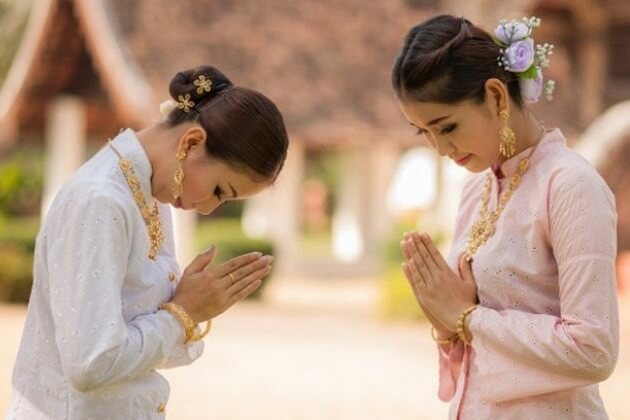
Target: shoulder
[[571, 177], [89, 198]]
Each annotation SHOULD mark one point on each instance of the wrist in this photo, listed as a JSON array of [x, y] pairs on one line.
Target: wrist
[[463, 321], [194, 316], [443, 336], [186, 321]]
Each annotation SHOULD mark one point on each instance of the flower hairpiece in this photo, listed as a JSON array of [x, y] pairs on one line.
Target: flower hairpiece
[[184, 102], [203, 84], [520, 56]]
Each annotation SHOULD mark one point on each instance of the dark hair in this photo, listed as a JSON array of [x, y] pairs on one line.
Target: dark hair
[[447, 60], [244, 127]]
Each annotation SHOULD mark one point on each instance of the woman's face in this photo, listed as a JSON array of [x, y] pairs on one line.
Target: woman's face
[[209, 182], [466, 132]]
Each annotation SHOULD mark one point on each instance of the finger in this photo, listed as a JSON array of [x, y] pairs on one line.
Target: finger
[[423, 260], [244, 282], [411, 278], [236, 291], [246, 270], [201, 261], [406, 246], [436, 255], [465, 269], [419, 274], [235, 263], [251, 288]]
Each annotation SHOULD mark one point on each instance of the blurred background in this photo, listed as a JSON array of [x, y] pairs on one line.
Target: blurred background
[[335, 332]]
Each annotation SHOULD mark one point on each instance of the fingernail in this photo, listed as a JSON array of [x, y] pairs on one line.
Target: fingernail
[[258, 254], [211, 249]]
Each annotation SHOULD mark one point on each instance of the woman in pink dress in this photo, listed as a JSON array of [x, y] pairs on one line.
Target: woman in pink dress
[[524, 307]]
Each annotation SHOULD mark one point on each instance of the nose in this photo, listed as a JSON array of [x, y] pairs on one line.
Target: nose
[[208, 208], [445, 149]]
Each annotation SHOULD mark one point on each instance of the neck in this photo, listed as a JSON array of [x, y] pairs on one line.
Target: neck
[[158, 144], [527, 129]]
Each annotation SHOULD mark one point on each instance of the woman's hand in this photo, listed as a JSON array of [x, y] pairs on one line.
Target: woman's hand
[[438, 289], [406, 246], [205, 293]]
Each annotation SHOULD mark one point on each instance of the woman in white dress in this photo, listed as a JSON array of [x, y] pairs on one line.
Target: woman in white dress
[[109, 305]]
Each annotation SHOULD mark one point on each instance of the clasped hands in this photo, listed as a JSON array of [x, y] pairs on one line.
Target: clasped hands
[[441, 293], [206, 291]]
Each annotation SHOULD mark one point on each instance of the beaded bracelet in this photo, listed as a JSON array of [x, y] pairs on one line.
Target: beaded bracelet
[[190, 327], [461, 320], [449, 340]]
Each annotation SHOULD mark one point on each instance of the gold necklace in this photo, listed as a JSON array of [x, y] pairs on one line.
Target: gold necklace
[[484, 227], [151, 216]]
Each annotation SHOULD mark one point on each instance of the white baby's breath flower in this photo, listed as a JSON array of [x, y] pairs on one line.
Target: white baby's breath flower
[[167, 107]]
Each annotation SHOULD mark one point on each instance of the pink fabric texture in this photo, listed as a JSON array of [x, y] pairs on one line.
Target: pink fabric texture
[[546, 331]]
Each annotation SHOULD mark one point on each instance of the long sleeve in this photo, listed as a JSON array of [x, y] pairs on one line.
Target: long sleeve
[[87, 255], [451, 357], [526, 354], [182, 355]]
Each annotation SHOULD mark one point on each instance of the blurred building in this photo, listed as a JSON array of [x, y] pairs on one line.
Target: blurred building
[[86, 68]]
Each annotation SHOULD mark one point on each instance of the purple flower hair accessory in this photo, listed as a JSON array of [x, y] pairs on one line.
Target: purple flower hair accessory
[[520, 56]]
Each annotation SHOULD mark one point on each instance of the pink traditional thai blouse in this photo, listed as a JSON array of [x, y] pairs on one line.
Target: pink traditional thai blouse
[[546, 331]]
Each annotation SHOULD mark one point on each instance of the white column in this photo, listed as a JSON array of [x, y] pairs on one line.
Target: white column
[[349, 227], [184, 223], [65, 137], [378, 174], [285, 209]]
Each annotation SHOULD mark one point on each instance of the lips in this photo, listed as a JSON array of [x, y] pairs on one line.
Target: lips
[[463, 160]]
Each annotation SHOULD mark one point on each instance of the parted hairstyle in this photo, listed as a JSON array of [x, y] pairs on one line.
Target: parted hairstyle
[[244, 128], [446, 59]]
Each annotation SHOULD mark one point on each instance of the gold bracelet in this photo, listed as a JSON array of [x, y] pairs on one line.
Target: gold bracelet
[[205, 331], [461, 320], [449, 340], [186, 321]]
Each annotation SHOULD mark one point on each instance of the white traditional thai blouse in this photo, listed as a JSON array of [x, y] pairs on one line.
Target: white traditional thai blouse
[[94, 337]]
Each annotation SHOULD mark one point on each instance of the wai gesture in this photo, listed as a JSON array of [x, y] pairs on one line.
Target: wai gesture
[[441, 293]]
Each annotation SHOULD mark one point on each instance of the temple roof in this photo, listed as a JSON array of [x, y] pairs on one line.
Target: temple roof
[[325, 63]]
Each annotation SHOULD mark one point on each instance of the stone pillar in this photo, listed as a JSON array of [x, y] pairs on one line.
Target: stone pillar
[[65, 138], [348, 224], [285, 210], [377, 176], [184, 223]]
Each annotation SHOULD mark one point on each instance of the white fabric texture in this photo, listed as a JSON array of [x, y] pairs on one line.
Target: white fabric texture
[[93, 336]]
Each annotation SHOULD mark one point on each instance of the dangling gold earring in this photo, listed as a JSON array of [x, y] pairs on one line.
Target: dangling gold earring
[[178, 176], [507, 145]]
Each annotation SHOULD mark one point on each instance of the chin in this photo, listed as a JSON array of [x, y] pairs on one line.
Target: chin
[[476, 167]]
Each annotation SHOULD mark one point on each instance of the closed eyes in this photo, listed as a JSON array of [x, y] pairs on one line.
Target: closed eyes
[[443, 131], [218, 192]]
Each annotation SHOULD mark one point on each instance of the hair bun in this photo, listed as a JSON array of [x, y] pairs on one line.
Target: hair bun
[[198, 85]]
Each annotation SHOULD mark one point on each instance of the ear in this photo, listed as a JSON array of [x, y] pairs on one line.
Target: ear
[[192, 137], [497, 96]]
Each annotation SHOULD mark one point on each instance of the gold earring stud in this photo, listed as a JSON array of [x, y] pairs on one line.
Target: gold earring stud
[[507, 144]]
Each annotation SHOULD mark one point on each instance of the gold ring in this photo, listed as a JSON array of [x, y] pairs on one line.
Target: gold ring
[[232, 277]]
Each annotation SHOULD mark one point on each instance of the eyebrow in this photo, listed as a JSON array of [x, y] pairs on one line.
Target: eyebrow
[[437, 120], [234, 193], [432, 122]]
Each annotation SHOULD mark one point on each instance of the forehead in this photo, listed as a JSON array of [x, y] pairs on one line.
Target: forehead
[[243, 182], [421, 113]]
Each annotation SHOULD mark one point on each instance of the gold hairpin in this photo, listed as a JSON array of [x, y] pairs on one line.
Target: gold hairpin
[[184, 102], [203, 84]]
